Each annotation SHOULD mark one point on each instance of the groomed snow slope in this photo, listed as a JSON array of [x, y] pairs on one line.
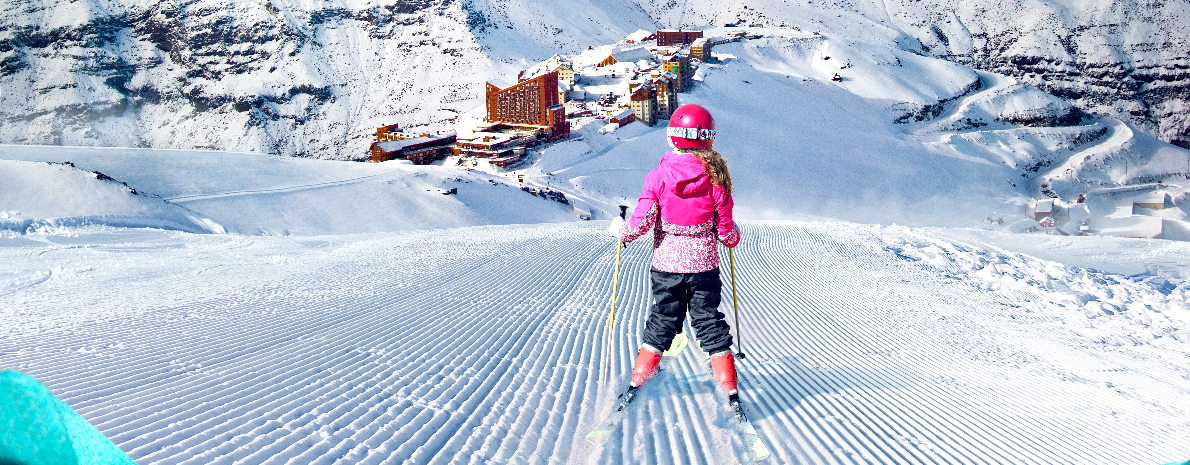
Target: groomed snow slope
[[865, 344], [246, 193]]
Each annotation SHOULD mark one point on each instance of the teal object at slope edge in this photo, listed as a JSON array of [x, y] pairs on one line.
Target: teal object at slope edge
[[37, 428]]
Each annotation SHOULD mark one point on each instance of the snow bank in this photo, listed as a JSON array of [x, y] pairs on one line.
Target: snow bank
[[47, 197], [258, 194], [1108, 308]]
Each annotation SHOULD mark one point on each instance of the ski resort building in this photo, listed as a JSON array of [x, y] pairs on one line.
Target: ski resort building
[[655, 97], [555, 64], [389, 132], [531, 105], [564, 89], [499, 146], [700, 49], [1154, 201], [1043, 209], [593, 56], [640, 35], [670, 37], [625, 116], [421, 149], [643, 102], [632, 55], [683, 71], [665, 93]]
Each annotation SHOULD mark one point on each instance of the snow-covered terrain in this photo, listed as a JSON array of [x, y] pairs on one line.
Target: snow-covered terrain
[[901, 138], [484, 344], [253, 194], [313, 79], [865, 344], [203, 306]]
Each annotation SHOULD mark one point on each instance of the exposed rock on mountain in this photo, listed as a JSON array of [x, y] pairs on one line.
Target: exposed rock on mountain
[[296, 78], [1127, 59], [250, 76]]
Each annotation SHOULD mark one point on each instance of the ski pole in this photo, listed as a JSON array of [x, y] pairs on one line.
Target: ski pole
[[611, 320], [735, 302]]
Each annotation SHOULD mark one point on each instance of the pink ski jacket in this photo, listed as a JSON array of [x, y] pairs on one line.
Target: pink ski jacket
[[688, 214]]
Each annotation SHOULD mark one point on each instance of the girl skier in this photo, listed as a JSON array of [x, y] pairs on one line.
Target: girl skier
[[686, 202]]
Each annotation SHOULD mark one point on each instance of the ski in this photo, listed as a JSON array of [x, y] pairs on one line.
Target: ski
[[742, 429], [676, 347], [600, 434]]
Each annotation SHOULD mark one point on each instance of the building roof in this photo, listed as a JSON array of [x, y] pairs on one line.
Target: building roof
[[552, 64], [500, 83], [1152, 197], [632, 55], [639, 35], [1044, 206], [623, 114], [639, 93], [1132, 226], [594, 55], [493, 138], [390, 146]]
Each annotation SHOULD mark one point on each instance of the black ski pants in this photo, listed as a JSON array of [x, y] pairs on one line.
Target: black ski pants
[[675, 294]]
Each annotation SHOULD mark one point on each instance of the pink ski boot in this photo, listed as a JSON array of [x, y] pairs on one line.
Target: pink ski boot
[[646, 365]]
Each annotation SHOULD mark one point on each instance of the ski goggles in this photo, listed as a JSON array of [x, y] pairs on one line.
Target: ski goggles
[[691, 133]]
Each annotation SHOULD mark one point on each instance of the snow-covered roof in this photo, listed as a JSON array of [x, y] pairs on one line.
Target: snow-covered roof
[[593, 55], [1132, 226], [638, 36], [632, 55], [395, 145], [1044, 206], [553, 63], [1152, 198], [500, 83], [488, 138], [622, 114]]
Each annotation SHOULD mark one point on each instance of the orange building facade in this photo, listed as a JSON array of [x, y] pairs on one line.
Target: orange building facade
[[666, 37], [532, 103]]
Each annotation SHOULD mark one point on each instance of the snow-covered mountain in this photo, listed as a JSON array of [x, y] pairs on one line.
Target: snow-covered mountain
[[899, 138], [1127, 59], [313, 79], [294, 78]]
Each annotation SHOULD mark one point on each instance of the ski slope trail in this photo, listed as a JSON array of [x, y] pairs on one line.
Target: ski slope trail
[[277, 190], [1119, 134], [865, 344]]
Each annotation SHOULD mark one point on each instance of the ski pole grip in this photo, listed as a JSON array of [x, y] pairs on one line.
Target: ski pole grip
[[623, 211]]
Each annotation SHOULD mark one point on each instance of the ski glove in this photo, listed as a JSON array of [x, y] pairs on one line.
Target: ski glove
[[614, 228]]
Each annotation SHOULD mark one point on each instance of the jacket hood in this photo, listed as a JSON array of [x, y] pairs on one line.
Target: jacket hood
[[683, 174]]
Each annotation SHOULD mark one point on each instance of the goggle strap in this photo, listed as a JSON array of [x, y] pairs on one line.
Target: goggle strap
[[690, 133]]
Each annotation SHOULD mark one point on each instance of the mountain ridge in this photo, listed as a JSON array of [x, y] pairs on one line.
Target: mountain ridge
[[305, 79]]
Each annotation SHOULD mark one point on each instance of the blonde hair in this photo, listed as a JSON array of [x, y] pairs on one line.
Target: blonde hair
[[715, 167]]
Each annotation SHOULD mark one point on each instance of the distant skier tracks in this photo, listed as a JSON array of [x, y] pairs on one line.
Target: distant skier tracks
[[484, 345]]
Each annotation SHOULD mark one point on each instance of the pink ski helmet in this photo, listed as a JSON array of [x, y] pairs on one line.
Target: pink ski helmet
[[691, 127]]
